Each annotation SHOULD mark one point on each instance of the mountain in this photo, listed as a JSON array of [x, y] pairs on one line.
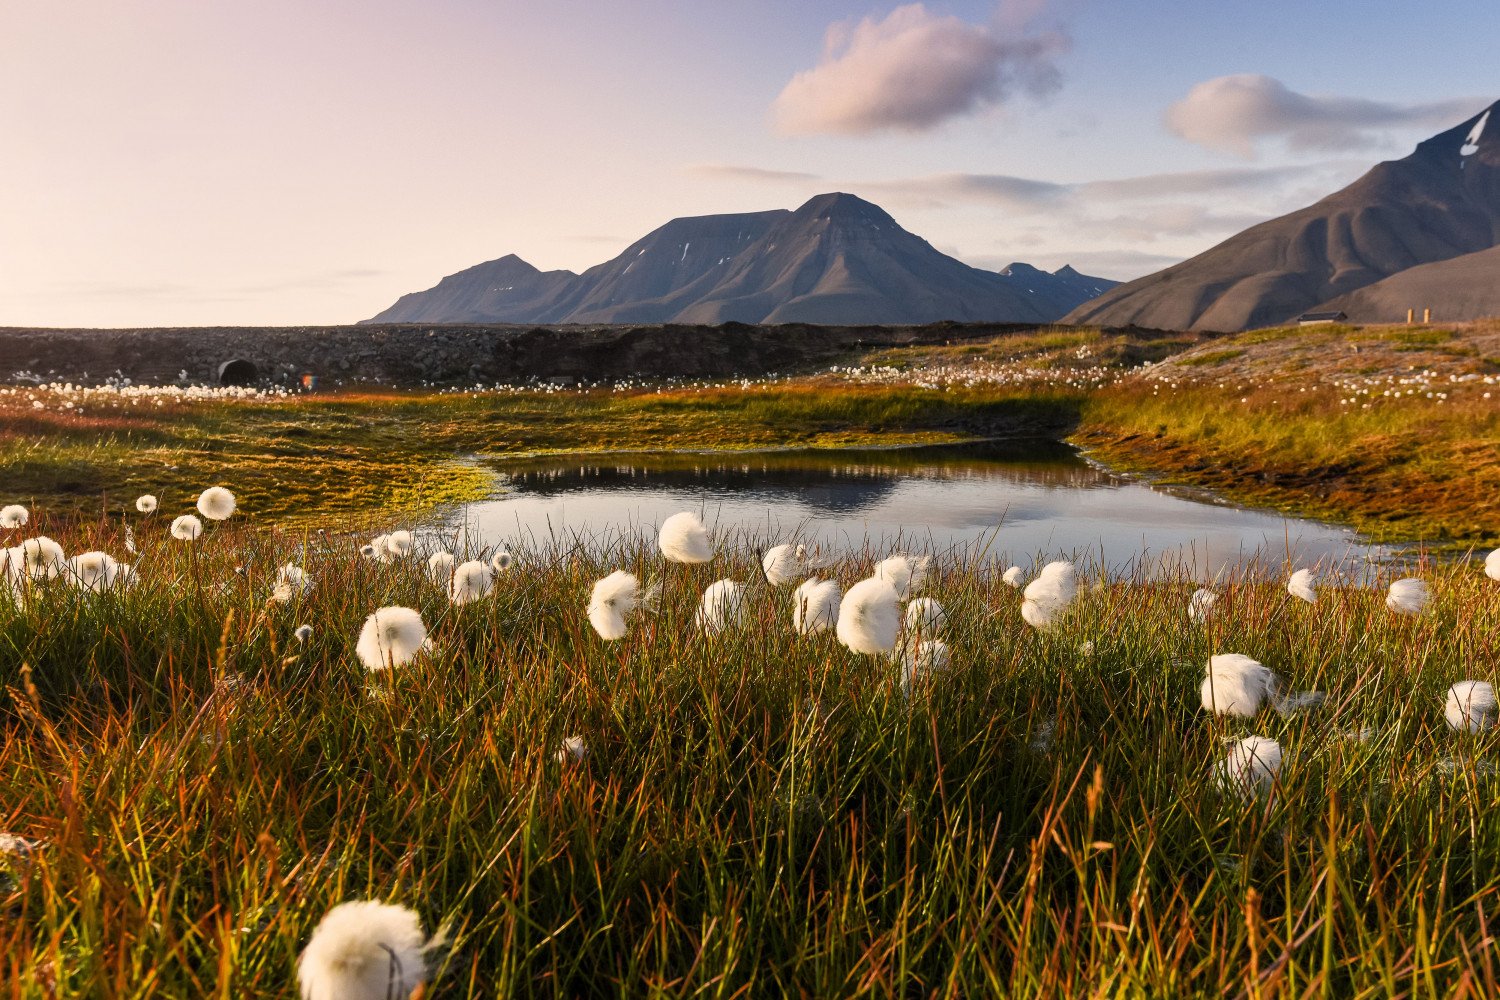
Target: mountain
[[836, 260], [1439, 203], [1458, 288]]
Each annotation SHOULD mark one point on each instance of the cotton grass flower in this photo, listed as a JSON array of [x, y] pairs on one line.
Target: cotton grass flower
[[1012, 576], [391, 637], [398, 544], [1236, 685], [573, 749], [925, 616], [1201, 605], [1251, 766], [922, 659], [471, 582], [501, 561], [903, 573], [303, 633], [365, 950], [145, 503], [1303, 586], [440, 567], [292, 582], [14, 516], [722, 606], [815, 606], [869, 617], [684, 539], [187, 528], [1492, 565], [216, 503], [42, 558], [781, 565], [96, 572], [1471, 706], [1408, 596], [613, 599], [1048, 597]]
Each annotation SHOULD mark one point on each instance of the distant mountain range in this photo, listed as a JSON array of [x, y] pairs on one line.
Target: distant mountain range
[[1416, 233], [836, 260]]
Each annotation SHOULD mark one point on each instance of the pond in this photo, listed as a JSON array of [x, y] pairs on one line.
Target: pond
[[1009, 502]]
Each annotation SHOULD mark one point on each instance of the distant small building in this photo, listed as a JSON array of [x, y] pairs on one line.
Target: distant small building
[[1314, 318]]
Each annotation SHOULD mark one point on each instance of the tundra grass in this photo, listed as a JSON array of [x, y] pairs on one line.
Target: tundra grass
[[757, 814]]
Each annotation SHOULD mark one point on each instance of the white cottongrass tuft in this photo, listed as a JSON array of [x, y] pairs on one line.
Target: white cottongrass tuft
[[216, 503], [925, 616], [187, 528], [922, 659], [501, 561], [391, 637], [1012, 576], [14, 516], [292, 581], [573, 748], [1471, 706], [369, 551], [1236, 685], [1049, 595], [1492, 565], [869, 617], [1201, 605], [1408, 596], [97, 572], [145, 503], [1251, 766], [722, 607], [903, 573], [815, 606], [613, 599], [365, 950], [398, 544], [684, 539], [440, 567], [42, 558], [781, 564], [471, 581], [303, 633], [1303, 586]]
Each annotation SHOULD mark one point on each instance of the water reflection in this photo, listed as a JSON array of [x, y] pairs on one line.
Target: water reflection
[[1016, 501]]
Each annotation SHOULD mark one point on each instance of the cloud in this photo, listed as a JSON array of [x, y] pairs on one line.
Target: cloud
[[730, 171], [1232, 113], [915, 70]]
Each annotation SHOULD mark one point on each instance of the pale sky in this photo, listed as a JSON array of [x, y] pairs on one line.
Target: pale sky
[[202, 162]]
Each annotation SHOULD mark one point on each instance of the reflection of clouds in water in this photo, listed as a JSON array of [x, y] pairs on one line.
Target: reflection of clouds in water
[[932, 499]]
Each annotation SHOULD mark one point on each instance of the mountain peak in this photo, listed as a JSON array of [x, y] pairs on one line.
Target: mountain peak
[[842, 206]]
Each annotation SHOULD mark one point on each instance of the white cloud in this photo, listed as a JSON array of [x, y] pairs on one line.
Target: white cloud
[[915, 70], [1232, 113], [735, 172]]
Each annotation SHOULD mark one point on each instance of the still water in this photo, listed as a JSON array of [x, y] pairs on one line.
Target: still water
[[1007, 502]]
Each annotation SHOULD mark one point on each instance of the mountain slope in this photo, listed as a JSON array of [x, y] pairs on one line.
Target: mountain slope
[[1459, 288], [1440, 202], [836, 260]]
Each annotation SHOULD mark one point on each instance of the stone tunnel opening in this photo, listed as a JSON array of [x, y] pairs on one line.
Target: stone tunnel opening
[[238, 371]]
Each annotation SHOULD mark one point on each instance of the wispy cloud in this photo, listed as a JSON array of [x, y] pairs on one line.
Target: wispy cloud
[[1233, 113], [914, 70], [729, 171]]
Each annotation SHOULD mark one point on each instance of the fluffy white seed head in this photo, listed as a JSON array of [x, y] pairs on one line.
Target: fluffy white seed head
[[1303, 586], [1201, 605], [903, 573], [613, 599], [216, 503], [41, 558], [145, 503], [471, 581], [501, 561], [370, 551], [1012, 576], [1408, 596], [398, 544], [187, 528], [573, 748], [815, 606], [925, 616], [1471, 706], [722, 606], [365, 950], [95, 572], [440, 567], [870, 616], [922, 659], [1492, 565], [292, 582], [391, 637], [1047, 598], [1251, 766], [684, 539], [781, 564], [303, 633], [14, 516], [1236, 685]]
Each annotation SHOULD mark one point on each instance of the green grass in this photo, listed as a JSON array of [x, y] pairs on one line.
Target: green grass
[[758, 814]]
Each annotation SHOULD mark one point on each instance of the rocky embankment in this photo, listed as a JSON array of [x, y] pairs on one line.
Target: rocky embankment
[[414, 354]]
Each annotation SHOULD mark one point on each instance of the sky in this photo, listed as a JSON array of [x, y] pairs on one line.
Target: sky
[[291, 162]]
